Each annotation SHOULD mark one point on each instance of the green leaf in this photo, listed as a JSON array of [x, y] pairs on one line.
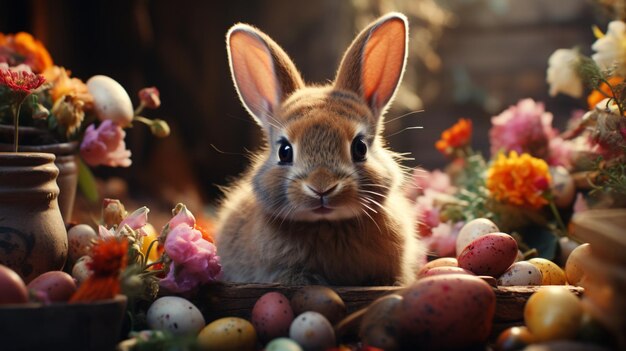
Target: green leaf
[[87, 182]]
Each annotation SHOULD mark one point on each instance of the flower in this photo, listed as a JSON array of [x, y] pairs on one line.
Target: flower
[[610, 48], [603, 91], [109, 258], [442, 242], [69, 113], [113, 212], [105, 146], [149, 97], [20, 79], [63, 85], [519, 179], [427, 213], [562, 75], [23, 48], [194, 260], [525, 127], [455, 137], [159, 128], [561, 152]]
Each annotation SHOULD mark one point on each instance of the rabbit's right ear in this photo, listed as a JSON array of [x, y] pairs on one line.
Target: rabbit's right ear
[[262, 72]]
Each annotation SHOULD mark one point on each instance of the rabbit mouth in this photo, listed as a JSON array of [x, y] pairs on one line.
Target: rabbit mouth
[[323, 210]]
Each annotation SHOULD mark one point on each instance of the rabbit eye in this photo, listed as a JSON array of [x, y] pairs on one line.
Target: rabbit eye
[[358, 149], [285, 152]]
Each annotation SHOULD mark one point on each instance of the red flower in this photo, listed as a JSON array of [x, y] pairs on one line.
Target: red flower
[[21, 80]]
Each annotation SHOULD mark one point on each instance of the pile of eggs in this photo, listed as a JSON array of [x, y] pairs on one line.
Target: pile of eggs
[[53, 286]]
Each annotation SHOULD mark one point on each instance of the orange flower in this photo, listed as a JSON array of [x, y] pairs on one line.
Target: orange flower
[[34, 53], [109, 257], [63, 85], [455, 137], [206, 228], [519, 180], [602, 92]]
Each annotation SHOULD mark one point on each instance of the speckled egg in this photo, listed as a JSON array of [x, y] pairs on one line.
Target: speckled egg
[[472, 230], [320, 299], [271, 316], [553, 313], [379, 326], [312, 331], [443, 270], [81, 270], [228, 334], [283, 344], [521, 273], [176, 315], [574, 266], [447, 311], [58, 285], [80, 238], [562, 187], [439, 262], [550, 272], [513, 339], [13, 288], [490, 254], [110, 100]]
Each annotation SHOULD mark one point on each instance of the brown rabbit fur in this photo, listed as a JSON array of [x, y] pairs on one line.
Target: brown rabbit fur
[[322, 203]]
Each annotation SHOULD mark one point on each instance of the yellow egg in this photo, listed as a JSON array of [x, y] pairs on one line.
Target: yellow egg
[[552, 274], [575, 261], [226, 334], [151, 235], [553, 313]]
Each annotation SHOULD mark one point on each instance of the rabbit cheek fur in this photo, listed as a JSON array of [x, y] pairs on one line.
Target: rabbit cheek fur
[[324, 217]]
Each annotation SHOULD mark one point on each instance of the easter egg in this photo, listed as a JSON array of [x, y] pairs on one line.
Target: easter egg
[[490, 254], [552, 313], [447, 311], [320, 299], [439, 262], [472, 230], [57, 285], [175, 315], [80, 238], [574, 266], [110, 100], [550, 272], [13, 288], [80, 270], [562, 187], [514, 338], [379, 327], [443, 270], [312, 331], [283, 344], [228, 334], [272, 316], [521, 273]]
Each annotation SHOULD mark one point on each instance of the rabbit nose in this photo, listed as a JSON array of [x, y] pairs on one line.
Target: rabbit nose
[[322, 192]]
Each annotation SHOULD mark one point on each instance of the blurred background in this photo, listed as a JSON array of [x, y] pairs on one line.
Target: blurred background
[[468, 58]]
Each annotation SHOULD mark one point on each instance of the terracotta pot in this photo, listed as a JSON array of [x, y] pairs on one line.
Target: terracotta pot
[[33, 239], [66, 162]]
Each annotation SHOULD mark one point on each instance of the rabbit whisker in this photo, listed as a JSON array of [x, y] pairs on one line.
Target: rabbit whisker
[[403, 116], [404, 130], [373, 221]]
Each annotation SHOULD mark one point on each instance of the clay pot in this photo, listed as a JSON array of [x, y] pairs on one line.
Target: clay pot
[[66, 162], [33, 239]]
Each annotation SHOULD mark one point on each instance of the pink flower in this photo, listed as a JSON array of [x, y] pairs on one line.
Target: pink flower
[[442, 242], [561, 152], [525, 127], [184, 216], [136, 220], [194, 260], [422, 180], [105, 146], [427, 213], [150, 97]]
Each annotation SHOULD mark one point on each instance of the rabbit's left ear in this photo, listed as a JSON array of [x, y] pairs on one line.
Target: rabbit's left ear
[[374, 63]]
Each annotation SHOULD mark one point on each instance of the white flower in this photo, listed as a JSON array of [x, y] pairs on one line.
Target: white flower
[[611, 48], [562, 75]]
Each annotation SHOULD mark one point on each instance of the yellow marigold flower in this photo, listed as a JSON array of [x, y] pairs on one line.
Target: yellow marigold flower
[[34, 53], [455, 137], [63, 85], [519, 179]]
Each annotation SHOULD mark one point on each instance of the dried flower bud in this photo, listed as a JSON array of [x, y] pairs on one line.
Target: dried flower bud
[[40, 112], [150, 97], [113, 212], [160, 128], [69, 113]]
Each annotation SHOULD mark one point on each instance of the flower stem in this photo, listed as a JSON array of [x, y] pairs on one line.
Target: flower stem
[[139, 109], [143, 120], [16, 121], [557, 216]]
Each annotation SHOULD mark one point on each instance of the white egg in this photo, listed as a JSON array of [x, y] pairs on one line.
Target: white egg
[[312, 331], [563, 187], [521, 273], [472, 230], [110, 100], [81, 271], [80, 238], [176, 315]]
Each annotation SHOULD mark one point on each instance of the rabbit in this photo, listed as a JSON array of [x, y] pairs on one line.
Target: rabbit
[[322, 203]]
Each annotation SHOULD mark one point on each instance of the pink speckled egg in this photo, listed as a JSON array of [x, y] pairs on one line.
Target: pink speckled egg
[[447, 312], [58, 285], [490, 254], [472, 230], [271, 316], [443, 270]]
